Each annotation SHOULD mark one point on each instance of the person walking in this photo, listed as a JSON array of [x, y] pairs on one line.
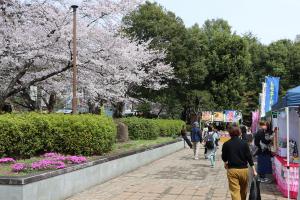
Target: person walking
[[185, 138], [218, 136], [205, 131], [196, 138], [236, 157], [262, 141], [244, 132], [210, 144]]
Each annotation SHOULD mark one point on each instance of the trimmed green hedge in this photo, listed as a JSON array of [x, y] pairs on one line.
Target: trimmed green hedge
[[27, 135], [148, 129], [169, 128], [141, 129]]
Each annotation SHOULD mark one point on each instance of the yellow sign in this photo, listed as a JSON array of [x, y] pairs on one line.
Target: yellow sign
[[218, 116]]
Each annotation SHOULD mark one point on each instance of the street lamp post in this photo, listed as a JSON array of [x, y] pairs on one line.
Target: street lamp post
[[74, 80]]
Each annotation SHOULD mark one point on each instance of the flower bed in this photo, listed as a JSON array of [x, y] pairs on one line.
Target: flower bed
[[49, 161], [54, 161]]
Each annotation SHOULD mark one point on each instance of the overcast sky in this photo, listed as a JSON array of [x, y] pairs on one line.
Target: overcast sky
[[269, 20]]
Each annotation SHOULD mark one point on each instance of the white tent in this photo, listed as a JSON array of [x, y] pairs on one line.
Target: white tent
[[289, 124]]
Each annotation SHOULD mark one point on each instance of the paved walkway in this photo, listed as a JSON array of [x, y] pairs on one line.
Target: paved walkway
[[175, 177]]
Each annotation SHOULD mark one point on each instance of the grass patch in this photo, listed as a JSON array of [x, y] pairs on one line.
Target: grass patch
[[137, 144]]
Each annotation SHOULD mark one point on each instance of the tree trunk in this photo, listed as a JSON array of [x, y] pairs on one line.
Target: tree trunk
[[118, 109], [184, 114], [94, 108], [52, 102], [5, 107], [122, 133], [30, 104], [2, 103]]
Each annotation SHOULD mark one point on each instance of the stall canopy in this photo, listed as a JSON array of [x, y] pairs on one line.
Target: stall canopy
[[287, 127], [292, 98]]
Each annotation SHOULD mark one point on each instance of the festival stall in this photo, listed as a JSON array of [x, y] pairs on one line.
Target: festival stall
[[222, 117], [286, 162]]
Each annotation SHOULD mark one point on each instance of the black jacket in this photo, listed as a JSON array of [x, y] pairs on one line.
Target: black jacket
[[237, 153], [262, 141]]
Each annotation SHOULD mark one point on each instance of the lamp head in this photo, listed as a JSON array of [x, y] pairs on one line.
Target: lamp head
[[74, 7]]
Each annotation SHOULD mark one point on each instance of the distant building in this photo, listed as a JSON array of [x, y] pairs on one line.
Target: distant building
[[297, 39]]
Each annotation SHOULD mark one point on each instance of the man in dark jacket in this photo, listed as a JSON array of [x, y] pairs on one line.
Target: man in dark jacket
[[262, 141], [196, 138], [236, 156]]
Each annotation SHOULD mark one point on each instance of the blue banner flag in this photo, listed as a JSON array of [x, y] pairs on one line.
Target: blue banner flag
[[272, 89]]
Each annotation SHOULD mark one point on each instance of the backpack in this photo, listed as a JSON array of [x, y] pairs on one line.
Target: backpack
[[210, 143]]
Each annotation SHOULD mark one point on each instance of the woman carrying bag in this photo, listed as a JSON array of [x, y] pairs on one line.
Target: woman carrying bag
[[236, 156]]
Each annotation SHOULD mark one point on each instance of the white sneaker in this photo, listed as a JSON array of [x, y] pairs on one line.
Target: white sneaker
[[264, 180], [196, 158]]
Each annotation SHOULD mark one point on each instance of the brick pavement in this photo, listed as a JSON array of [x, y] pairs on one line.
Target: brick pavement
[[175, 177]]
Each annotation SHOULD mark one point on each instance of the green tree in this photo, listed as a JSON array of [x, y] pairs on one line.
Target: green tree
[[228, 61], [183, 47], [215, 68]]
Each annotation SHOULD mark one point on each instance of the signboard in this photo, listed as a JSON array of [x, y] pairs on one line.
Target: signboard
[[230, 115], [272, 89], [218, 116], [255, 121], [206, 116]]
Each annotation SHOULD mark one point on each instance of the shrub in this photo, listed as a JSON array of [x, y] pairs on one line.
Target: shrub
[[27, 135], [169, 128], [140, 128]]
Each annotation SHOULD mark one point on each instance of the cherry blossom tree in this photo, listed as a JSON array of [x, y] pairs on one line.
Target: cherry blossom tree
[[37, 49]]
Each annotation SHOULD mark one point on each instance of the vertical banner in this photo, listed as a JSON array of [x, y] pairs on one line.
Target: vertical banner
[[263, 101], [255, 121], [206, 116], [272, 89]]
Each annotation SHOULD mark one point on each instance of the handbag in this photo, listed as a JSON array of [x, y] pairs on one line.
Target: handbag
[[254, 190]]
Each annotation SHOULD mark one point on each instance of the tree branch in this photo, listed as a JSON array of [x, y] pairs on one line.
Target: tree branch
[[17, 90]]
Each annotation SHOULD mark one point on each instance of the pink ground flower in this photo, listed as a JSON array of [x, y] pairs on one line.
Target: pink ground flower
[[76, 159], [7, 160], [55, 156], [47, 164], [18, 167]]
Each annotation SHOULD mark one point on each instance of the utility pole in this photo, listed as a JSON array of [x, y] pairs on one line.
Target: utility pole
[[74, 81]]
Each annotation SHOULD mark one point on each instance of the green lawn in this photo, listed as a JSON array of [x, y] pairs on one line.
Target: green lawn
[[5, 169], [137, 144]]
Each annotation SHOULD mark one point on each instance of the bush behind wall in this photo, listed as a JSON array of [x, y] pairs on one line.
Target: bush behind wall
[[141, 128], [30, 134]]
